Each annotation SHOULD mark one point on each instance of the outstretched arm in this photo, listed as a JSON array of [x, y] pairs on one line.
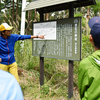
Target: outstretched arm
[[40, 36]]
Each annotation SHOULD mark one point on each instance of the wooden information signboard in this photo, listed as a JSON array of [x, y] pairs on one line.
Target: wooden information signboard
[[62, 40]]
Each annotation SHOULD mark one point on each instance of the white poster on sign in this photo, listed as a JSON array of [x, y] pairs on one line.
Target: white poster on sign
[[45, 28]]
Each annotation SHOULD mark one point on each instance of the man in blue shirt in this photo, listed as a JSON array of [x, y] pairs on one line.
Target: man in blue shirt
[[7, 43]]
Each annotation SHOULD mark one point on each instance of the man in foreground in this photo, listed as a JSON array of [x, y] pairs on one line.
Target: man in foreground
[[9, 87], [89, 68]]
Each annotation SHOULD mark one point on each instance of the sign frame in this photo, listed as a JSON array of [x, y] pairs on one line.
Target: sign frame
[[45, 41]]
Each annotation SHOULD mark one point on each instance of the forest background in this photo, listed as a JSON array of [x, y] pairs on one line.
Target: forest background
[[55, 70]]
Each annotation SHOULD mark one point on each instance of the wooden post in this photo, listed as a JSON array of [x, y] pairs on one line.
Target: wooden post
[[70, 82], [41, 58], [41, 71]]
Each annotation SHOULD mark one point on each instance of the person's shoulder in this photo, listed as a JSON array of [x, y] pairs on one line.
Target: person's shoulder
[[3, 73], [5, 76], [85, 63], [14, 34]]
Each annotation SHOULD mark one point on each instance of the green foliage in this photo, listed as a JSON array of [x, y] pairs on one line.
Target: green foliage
[[87, 47], [1, 6], [78, 15], [18, 51], [44, 90], [23, 54], [83, 22], [30, 65], [96, 8], [23, 87]]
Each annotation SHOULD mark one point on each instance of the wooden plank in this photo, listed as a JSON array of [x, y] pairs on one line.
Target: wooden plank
[[41, 59], [70, 80]]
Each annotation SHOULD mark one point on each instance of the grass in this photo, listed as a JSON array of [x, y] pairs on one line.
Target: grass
[[55, 73]]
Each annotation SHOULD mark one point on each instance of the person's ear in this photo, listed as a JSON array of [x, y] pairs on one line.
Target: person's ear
[[91, 40], [2, 33]]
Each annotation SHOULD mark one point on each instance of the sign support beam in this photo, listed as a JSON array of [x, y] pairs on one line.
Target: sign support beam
[[41, 58], [70, 82]]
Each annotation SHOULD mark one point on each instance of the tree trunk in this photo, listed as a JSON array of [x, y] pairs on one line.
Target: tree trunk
[[67, 13], [47, 16], [16, 10], [29, 24], [87, 19], [12, 11], [17, 22], [35, 16], [5, 6]]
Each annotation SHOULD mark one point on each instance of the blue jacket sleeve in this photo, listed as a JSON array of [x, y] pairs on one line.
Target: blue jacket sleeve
[[22, 37]]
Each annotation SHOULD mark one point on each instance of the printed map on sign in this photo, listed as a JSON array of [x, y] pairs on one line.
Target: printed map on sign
[[46, 28]]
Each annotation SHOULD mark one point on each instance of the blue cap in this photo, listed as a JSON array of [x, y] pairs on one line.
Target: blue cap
[[94, 24], [93, 21]]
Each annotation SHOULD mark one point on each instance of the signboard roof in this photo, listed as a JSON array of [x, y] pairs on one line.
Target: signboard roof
[[55, 5], [45, 3]]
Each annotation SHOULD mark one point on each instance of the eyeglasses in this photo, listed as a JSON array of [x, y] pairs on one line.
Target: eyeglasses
[[9, 30]]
